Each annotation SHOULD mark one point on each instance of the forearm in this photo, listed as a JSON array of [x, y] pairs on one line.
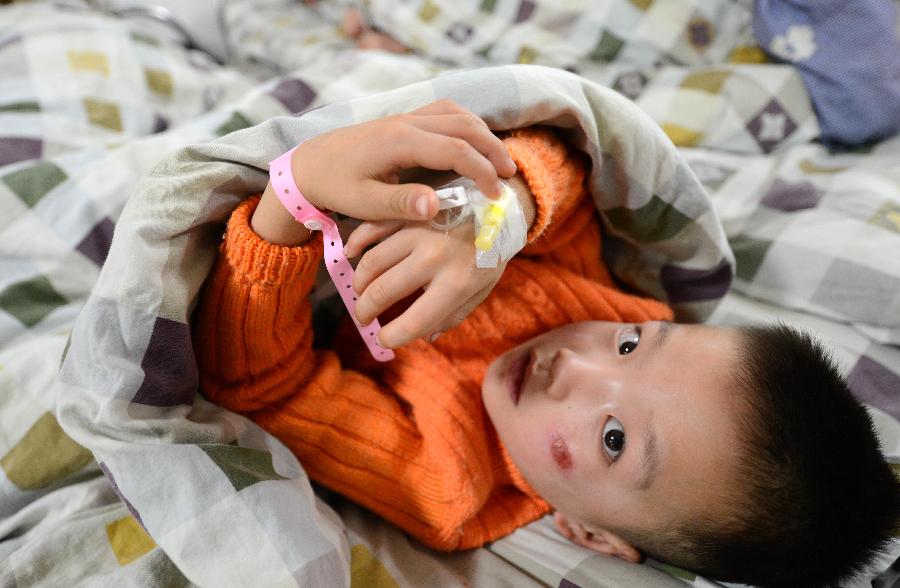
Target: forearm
[[274, 223]]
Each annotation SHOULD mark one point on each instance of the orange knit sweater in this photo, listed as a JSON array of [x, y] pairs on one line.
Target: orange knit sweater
[[408, 439]]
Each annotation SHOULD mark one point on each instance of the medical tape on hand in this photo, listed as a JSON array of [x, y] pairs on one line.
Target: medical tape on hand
[[500, 224]]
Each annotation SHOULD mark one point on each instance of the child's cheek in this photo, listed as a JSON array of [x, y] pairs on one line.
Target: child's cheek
[[559, 451]]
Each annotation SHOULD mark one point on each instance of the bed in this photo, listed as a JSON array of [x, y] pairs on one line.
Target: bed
[[90, 102]]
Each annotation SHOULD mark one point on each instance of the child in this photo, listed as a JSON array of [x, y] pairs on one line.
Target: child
[[738, 453]]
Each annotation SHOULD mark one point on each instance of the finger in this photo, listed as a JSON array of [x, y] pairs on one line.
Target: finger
[[439, 152], [385, 201], [474, 130], [422, 317], [391, 287], [443, 106], [378, 260], [368, 233]]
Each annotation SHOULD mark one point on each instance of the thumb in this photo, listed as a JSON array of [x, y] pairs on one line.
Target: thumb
[[399, 202]]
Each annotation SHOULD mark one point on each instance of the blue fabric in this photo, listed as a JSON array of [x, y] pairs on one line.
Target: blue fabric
[[849, 56]]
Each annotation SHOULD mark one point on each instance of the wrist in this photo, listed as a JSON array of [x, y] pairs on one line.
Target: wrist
[[526, 198], [272, 222]]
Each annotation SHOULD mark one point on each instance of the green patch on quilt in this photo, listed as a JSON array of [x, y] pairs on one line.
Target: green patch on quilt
[[488, 5], [707, 80], [236, 122], [485, 51], [159, 81], [655, 221], [428, 11], [607, 48], [20, 107], [679, 573], [128, 540], [145, 39], [103, 114], [31, 300], [749, 254], [242, 466], [887, 217], [34, 182], [366, 571], [43, 456]]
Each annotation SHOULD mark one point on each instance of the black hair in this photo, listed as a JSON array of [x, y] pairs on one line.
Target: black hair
[[814, 499]]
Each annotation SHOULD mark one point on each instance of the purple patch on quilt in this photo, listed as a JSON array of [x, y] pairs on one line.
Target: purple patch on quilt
[[95, 246], [115, 487], [170, 371], [873, 383], [526, 9], [10, 40], [695, 285], [13, 149], [460, 32], [791, 197], [771, 126], [160, 123], [296, 95]]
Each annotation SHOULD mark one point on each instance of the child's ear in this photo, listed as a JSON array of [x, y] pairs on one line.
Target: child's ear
[[596, 539]]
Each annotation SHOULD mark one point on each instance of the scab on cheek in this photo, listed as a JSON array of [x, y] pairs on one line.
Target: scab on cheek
[[560, 452]]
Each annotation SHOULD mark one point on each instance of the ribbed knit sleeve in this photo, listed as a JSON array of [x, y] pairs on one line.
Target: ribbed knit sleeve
[[555, 174], [253, 332]]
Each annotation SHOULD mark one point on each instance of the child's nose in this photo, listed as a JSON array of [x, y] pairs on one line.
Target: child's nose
[[576, 376]]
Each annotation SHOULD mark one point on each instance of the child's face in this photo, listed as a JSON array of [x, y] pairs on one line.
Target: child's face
[[620, 425]]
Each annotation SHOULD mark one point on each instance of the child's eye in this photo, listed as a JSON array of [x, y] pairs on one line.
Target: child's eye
[[613, 438], [629, 339]]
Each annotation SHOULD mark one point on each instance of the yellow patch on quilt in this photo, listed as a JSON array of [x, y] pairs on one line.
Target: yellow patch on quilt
[[428, 11], [159, 81], [888, 217], [103, 114], [88, 61], [681, 136], [642, 5], [527, 55], [708, 80], [43, 456], [128, 540], [748, 54], [367, 572], [809, 167]]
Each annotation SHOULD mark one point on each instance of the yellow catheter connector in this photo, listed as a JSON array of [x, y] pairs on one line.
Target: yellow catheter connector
[[492, 221]]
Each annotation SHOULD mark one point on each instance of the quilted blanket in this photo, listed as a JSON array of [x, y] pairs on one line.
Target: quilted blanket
[[122, 153]]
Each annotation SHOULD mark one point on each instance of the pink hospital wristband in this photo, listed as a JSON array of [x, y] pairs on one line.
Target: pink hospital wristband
[[336, 262]]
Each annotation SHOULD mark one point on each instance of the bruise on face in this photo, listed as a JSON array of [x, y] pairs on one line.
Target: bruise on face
[[560, 452]]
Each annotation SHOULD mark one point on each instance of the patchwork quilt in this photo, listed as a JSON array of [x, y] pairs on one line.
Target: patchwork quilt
[[121, 154]]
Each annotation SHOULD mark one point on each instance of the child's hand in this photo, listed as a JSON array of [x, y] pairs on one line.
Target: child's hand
[[355, 170], [412, 255]]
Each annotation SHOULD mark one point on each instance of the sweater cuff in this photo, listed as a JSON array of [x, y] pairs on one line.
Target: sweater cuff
[[255, 259], [536, 152]]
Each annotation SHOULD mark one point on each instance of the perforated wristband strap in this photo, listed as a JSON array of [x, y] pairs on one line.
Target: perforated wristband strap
[[336, 262]]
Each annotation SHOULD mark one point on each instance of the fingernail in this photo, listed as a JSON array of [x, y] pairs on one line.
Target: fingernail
[[499, 190], [422, 205], [515, 167], [434, 336]]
